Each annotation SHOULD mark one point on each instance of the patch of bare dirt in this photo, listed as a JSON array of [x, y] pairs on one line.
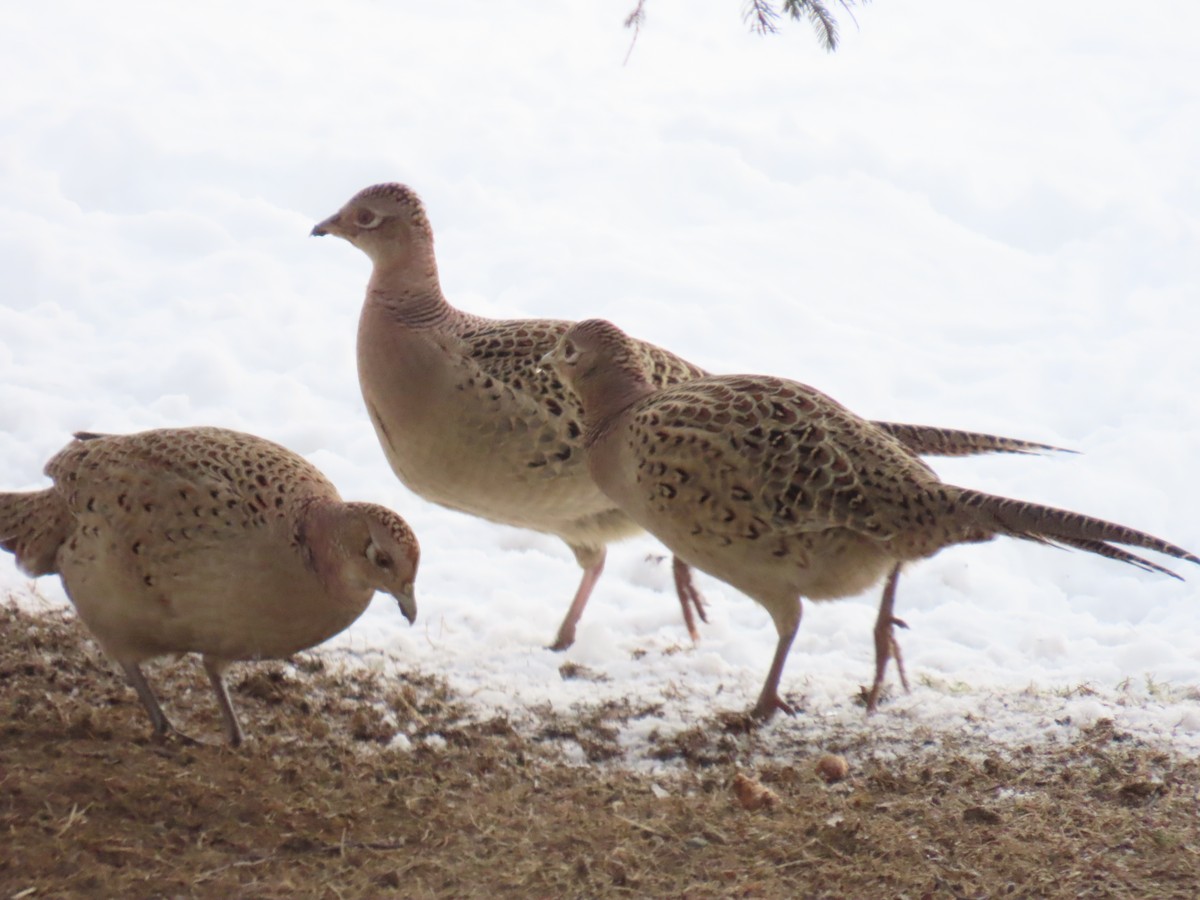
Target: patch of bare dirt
[[324, 801]]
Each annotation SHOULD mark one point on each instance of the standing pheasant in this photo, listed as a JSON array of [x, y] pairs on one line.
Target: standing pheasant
[[202, 540], [468, 419], [781, 491]]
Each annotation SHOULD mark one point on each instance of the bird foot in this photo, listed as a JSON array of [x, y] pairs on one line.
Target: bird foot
[[870, 698], [766, 707], [891, 650], [565, 638], [689, 598], [172, 735]]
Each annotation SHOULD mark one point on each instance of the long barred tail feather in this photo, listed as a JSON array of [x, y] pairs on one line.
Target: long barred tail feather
[[929, 440], [1047, 524], [1100, 548]]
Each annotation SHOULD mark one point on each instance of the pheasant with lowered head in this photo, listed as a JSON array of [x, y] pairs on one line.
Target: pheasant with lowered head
[[203, 540]]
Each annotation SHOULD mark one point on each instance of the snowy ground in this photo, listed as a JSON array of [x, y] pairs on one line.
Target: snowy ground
[[985, 218]]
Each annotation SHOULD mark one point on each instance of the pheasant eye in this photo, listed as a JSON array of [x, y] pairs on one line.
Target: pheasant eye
[[365, 218], [378, 557]]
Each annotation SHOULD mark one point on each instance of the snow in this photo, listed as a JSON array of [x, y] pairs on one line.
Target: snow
[[959, 218]]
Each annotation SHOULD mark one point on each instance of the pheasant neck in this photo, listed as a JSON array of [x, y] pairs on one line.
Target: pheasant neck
[[414, 300], [605, 394], [324, 534]]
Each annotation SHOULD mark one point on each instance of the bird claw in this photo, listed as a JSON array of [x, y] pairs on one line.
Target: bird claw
[[171, 734], [564, 640], [766, 707]]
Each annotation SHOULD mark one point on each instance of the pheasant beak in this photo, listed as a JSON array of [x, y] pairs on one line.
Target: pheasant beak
[[407, 599], [546, 362], [324, 227]]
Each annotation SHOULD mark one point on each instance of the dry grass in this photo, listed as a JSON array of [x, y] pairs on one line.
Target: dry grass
[[320, 803]]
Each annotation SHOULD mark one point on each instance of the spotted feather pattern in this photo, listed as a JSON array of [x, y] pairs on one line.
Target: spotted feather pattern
[[744, 457], [501, 365], [750, 456], [189, 486]]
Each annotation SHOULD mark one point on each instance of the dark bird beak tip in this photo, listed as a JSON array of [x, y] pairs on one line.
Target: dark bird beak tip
[[318, 231], [408, 603]]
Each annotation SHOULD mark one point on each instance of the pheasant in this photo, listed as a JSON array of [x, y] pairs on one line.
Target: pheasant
[[782, 492], [468, 420], [206, 541]]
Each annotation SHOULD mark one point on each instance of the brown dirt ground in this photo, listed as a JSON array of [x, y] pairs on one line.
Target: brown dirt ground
[[319, 804]]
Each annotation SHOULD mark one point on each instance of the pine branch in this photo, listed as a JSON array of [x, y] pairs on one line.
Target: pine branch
[[823, 23], [634, 20], [821, 18], [761, 15]]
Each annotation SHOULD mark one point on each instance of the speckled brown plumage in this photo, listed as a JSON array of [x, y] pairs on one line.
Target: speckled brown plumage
[[780, 491], [464, 414], [469, 420], [208, 541]]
